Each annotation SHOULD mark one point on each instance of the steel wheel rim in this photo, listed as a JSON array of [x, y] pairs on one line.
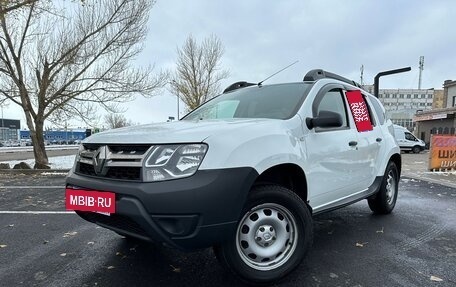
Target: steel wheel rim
[[390, 187], [266, 236]]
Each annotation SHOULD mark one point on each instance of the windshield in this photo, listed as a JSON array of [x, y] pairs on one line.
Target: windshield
[[273, 102]]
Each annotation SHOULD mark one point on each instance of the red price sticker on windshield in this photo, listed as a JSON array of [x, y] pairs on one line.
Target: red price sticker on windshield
[[359, 110]]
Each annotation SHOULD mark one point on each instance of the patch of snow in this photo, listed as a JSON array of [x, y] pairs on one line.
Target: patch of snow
[[441, 172], [54, 173]]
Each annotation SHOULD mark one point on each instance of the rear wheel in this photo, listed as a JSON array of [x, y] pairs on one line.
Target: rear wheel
[[416, 149], [385, 200], [272, 237]]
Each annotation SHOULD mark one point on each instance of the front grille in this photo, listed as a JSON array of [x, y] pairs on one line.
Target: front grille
[[124, 173], [86, 169], [134, 149], [116, 221], [119, 162]]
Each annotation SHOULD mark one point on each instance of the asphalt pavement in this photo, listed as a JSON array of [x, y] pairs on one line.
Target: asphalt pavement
[[416, 166], [414, 246]]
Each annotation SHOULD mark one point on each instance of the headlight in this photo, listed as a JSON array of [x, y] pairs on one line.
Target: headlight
[[173, 161], [76, 158]]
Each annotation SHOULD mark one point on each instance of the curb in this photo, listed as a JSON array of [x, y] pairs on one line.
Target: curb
[[430, 180]]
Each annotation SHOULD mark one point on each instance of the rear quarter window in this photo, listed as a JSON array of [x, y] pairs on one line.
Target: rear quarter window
[[378, 109]]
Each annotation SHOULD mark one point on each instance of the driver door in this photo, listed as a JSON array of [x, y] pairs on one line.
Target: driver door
[[332, 169]]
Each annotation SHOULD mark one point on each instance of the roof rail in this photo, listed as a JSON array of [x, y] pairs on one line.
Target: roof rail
[[318, 74], [238, 85]]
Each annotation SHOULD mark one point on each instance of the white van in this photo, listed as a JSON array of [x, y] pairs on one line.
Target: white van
[[407, 141]]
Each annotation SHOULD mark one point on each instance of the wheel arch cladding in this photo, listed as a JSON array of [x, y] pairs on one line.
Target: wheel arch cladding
[[396, 158], [287, 175]]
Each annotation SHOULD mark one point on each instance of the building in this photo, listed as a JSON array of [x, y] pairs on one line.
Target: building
[[449, 90], [441, 120], [438, 121], [439, 101], [59, 136], [402, 104], [9, 129]]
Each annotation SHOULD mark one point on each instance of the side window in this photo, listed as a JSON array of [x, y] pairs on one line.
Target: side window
[[410, 137], [378, 110], [370, 111], [334, 102], [360, 110]]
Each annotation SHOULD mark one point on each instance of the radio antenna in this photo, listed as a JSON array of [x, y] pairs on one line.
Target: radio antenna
[[259, 84]]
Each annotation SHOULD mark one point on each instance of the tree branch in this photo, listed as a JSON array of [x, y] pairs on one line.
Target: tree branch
[[4, 10]]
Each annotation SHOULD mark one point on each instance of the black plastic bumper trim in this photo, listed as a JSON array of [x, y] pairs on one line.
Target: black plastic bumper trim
[[189, 213]]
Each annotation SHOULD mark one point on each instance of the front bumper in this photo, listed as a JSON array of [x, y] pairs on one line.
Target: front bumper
[[189, 213]]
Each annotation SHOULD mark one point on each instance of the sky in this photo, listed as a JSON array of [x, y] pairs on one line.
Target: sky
[[261, 37]]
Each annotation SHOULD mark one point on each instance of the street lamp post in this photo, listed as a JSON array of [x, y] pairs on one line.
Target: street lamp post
[[173, 82], [177, 107], [3, 132]]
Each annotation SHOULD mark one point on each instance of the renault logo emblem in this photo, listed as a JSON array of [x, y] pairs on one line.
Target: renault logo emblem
[[99, 160]]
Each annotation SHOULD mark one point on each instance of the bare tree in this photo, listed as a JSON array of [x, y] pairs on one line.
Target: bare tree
[[57, 63], [10, 5], [114, 121], [198, 74]]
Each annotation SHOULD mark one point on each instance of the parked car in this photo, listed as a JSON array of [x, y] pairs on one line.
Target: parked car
[[245, 172], [26, 142], [407, 141], [12, 143], [57, 142]]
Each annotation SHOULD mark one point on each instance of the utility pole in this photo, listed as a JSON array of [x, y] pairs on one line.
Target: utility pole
[[421, 67]]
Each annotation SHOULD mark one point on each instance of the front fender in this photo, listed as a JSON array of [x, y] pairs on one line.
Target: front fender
[[260, 146]]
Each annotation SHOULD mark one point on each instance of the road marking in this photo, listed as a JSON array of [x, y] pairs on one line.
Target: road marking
[[36, 212], [29, 186]]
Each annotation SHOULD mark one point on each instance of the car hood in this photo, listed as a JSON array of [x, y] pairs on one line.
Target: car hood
[[173, 132]]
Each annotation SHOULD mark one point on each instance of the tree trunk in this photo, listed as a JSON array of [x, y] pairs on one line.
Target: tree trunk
[[39, 149]]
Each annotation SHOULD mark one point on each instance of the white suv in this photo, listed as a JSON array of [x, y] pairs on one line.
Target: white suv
[[244, 173]]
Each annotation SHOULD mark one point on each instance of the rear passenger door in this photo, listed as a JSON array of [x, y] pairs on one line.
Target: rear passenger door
[[369, 144]]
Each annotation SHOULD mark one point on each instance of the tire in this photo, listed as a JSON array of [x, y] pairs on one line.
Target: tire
[[416, 149], [385, 200], [273, 236]]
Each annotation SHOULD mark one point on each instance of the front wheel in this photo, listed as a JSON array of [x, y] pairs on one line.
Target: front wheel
[[416, 149], [385, 200], [272, 237]]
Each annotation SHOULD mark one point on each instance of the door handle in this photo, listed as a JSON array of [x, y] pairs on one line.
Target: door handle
[[378, 140], [353, 143]]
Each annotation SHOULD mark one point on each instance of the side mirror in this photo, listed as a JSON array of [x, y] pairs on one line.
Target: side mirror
[[325, 119]]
